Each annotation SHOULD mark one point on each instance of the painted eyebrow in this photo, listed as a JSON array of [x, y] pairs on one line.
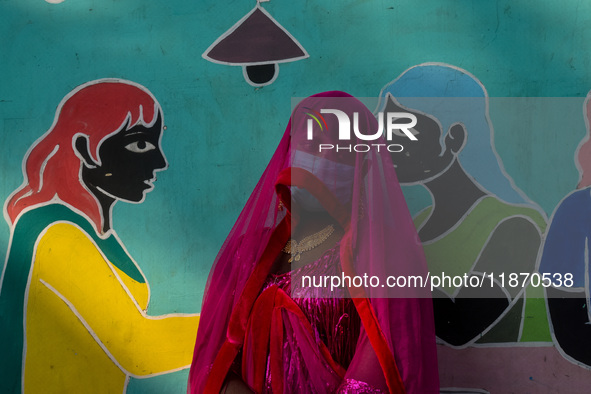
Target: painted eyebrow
[[138, 129], [145, 132], [134, 133]]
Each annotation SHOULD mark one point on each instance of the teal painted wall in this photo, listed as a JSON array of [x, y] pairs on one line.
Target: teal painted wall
[[221, 131]]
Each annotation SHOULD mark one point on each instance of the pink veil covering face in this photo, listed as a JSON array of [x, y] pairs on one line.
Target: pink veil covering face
[[396, 348]]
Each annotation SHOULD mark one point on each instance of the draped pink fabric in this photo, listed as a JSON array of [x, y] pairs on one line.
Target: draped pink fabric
[[243, 315]]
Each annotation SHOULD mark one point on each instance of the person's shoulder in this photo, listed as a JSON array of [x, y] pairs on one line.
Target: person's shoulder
[[506, 211], [48, 213], [257, 236], [575, 205], [580, 197], [38, 219], [422, 215]]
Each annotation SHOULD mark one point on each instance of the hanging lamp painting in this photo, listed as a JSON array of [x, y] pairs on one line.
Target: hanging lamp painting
[[258, 43]]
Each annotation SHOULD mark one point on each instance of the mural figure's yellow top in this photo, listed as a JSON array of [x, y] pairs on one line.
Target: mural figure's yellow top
[[86, 327]]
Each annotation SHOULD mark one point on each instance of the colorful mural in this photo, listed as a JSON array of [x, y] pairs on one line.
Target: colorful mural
[[479, 222], [500, 338], [566, 256], [475, 203], [221, 135], [73, 301]]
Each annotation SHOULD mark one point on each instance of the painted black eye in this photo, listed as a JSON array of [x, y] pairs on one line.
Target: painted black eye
[[140, 146]]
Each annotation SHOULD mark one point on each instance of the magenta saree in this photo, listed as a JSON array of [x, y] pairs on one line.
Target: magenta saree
[[273, 332]]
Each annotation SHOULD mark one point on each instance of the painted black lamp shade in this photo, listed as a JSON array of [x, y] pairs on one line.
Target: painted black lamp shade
[[257, 43]]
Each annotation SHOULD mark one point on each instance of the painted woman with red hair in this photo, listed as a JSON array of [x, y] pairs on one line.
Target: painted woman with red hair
[[72, 300]]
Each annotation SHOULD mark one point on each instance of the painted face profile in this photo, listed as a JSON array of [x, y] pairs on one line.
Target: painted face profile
[[128, 162], [425, 158], [459, 102], [103, 146]]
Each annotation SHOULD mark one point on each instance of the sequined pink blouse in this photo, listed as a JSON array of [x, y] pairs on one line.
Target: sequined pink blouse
[[334, 320]]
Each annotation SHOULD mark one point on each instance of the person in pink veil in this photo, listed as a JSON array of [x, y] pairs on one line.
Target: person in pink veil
[[319, 212]]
